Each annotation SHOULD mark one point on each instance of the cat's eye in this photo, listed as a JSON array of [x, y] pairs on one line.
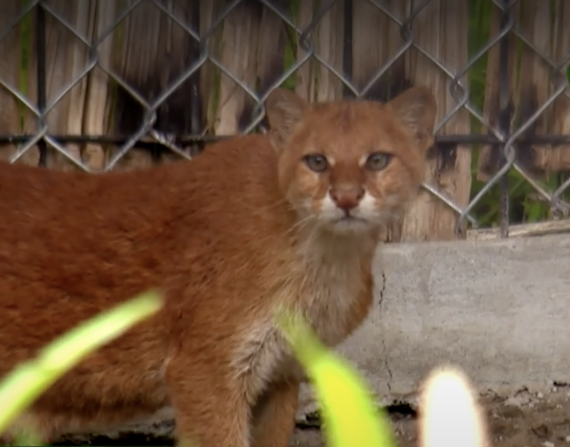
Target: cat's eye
[[316, 162], [377, 161]]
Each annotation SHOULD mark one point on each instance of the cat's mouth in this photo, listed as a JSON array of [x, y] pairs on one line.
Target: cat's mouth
[[350, 222], [350, 218]]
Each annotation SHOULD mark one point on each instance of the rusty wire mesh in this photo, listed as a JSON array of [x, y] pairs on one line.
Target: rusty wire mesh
[[501, 139]]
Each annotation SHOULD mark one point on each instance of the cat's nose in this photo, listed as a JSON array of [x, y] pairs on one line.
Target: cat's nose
[[347, 198]]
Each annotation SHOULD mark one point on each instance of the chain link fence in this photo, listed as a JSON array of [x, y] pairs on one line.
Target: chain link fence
[[503, 135]]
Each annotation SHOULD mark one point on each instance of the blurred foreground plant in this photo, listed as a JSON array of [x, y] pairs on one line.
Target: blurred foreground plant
[[28, 380], [350, 415], [449, 413]]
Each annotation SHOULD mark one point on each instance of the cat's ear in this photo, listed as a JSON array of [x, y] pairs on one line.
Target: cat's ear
[[416, 109], [284, 110]]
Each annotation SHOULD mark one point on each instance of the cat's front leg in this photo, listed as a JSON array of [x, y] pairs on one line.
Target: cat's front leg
[[210, 408], [274, 415]]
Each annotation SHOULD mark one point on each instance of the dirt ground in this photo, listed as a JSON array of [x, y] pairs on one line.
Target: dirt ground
[[524, 420]]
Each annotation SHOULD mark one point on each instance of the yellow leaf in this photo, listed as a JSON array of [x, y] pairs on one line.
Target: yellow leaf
[[350, 415]]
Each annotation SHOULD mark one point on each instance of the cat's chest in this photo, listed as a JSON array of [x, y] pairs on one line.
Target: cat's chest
[[325, 299], [328, 296]]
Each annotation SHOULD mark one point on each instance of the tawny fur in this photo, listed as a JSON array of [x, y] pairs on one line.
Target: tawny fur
[[243, 228]]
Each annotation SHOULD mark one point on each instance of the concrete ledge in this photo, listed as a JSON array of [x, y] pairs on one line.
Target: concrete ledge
[[499, 309]]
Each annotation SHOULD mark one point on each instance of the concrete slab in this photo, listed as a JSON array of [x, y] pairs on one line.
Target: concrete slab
[[500, 309]]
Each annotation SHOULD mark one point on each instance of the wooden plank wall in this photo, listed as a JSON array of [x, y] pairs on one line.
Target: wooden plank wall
[[148, 50]]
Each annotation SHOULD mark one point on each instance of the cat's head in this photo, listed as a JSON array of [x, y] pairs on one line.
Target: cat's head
[[350, 166]]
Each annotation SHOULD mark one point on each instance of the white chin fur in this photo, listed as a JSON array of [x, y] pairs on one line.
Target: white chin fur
[[349, 226], [361, 218]]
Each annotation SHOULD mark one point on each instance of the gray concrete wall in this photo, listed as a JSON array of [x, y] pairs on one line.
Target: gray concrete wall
[[499, 309]]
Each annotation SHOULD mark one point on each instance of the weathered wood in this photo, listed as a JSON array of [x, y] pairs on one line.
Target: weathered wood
[[303, 74], [440, 29], [376, 38], [314, 81], [239, 40], [522, 230], [136, 58], [271, 44], [100, 94], [10, 72], [66, 59], [150, 52], [251, 44], [534, 84], [210, 74], [488, 160], [558, 158], [21, 39], [530, 80], [328, 38]]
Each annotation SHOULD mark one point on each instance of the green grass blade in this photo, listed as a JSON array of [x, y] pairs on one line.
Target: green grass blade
[[350, 415]]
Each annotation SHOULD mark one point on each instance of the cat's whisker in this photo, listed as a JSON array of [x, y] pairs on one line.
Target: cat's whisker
[[301, 224], [277, 204]]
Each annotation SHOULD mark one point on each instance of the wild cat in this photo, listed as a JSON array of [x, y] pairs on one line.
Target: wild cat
[[290, 218]]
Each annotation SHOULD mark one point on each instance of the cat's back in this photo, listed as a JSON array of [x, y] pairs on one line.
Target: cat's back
[[81, 211], [80, 242], [29, 194], [53, 219]]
